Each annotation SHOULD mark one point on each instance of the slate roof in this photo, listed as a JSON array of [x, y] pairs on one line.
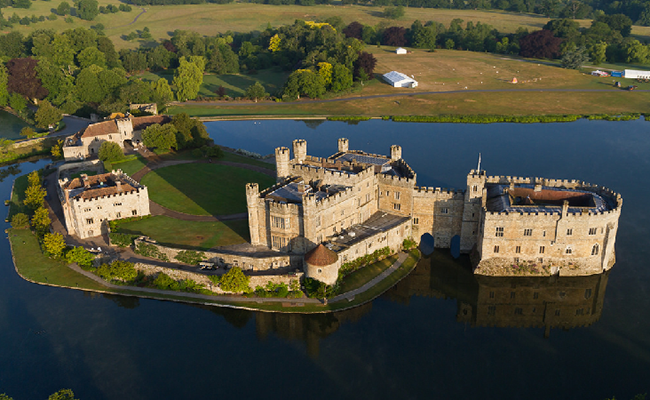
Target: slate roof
[[321, 256]]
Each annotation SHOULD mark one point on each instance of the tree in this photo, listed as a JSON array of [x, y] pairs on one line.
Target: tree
[[393, 12], [28, 132], [4, 93], [234, 281], [89, 86], [187, 79], [191, 132], [598, 53], [81, 256], [54, 244], [41, 221], [17, 102], [274, 43], [118, 270], [256, 91], [574, 58], [354, 30], [63, 8], [90, 56], [33, 179], [47, 115], [57, 149], [162, 137], [341, 78], [20, 221], [637, 52], [12, 45], [162, 92], [110, 151], [34, 197], [23, 78], [87, 9], [540, 44], [394, 36], [364, 67], [63, 394]]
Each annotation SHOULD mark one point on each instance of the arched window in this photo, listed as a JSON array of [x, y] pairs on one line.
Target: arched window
[[594, 250]]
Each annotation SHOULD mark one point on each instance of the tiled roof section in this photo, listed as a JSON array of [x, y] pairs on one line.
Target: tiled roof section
[[105, 191], [100, 128], [140, 123], [93, 180], [321, 256], [99, 185]]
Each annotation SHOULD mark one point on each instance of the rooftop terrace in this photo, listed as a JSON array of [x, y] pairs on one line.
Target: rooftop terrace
[[545, 200], [293, 191], [378, 222]]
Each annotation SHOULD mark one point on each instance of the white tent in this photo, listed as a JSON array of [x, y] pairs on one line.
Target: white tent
[[401, 50], [398, 79], [633, 74]]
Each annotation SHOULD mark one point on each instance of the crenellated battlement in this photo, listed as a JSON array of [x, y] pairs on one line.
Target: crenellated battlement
[[436, 191]]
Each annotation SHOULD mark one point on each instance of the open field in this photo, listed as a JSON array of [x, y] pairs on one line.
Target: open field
[[189, 234], [203, 189], [211, 19]]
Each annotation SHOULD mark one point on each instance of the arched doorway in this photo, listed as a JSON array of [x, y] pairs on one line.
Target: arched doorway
[[455, 246], [427, 244]]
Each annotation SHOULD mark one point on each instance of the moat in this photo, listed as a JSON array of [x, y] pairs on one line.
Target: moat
[[433, 335]]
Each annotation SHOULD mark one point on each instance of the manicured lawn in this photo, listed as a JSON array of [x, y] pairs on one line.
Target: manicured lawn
[[189, 234], [130, 167], [16, 202], [203, 189], [232, 157], [359, 278], [33, 265]]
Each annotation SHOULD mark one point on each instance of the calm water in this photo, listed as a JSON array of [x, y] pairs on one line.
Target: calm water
[[424, 339], [10, 126]]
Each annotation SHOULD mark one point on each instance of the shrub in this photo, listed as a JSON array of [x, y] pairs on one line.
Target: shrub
[[53, 244], [235, 281], [111, 152], [354, 265], [121, 239], [20, 220], [81, 256], [409, 244], [190, 257], [150, 250], [118, 270], [317, 289], [164, 281]]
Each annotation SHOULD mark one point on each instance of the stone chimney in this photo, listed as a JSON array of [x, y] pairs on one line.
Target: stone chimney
[[119, 186], [84, 179], [538, 187], [565, 208]]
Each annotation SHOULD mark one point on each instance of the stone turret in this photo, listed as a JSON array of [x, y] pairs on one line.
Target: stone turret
[[395, 152], [343, 145], [282, 163], [300, 150], [252, 200]]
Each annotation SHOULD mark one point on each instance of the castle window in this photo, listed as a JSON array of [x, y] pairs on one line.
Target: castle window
[[557, 313], [518, 249], [320, 271], [474, 188], [568, 250], [117, 204], [134, 212], [516, 260], [109, 137], [445, 211], [367, 197], [536, 295], [397, 206], [90, 233], [118, 215], [387, 193], [569, 232], [491, 295], [89, 221], [579, 311], [541, 249], [318, 221], [587, 293], [519, 311], [496, 249], [594, 250], [472, 215], [512, 295], [397, 195], [492, 310], [87, 209], [416, 221], [342, 212], [528, 232], [499, 231], [277, 222], [540, 260], [99, 207], [592, 231], [367, 184]]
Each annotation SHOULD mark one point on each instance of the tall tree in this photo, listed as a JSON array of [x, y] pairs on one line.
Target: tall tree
[[354, 30], [23, 78], [162, 92], [540, 44], [47, 115], [187, 79], [90, 56], [110, 151], [256, 91], [87, 9], [63, 8], [575, 57], [4, 93], [364, 67]]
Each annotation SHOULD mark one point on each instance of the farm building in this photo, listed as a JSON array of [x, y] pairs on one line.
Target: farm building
[[633, 74], [401, 50], [398, 79]]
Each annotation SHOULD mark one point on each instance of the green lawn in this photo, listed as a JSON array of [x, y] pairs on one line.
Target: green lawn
[[33, 265], [130, 167], [16, 202], [232, 157], [189, 234], [203, 189], [359, 278]]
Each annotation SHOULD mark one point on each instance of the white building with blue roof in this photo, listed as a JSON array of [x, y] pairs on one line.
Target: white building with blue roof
[[398, 79]]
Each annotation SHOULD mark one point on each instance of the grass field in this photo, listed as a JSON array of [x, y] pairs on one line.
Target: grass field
[[189, 234], [130, 167], [203, 189], [359, 278], [211, 19]]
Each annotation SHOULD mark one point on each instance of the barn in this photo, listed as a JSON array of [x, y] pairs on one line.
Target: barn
[[633, 74], [398, 79]]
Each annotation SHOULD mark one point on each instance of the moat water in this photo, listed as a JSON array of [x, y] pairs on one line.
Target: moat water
[[10, 126], [434, 335]]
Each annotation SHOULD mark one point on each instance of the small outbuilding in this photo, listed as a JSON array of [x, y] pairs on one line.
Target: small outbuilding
[[634, 74], [401, 50], [398, 79]]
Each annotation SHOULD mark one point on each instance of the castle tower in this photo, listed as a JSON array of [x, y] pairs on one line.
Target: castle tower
[[252, 200], [300, 150], [472, 209], [281, 163], [343, 145], [395, 152], [125, 128]]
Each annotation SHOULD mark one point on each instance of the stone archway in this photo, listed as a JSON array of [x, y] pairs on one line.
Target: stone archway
[[454, 247], [427, 244]]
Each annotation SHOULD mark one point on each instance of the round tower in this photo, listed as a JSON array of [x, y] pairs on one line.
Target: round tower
[[252, 201], [395, 152], [322, 264], [281, 163], [300, 150], [343, 145]]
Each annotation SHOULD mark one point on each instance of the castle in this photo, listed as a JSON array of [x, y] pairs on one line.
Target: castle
[[87, 142], [336, 209], [89, 202]]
